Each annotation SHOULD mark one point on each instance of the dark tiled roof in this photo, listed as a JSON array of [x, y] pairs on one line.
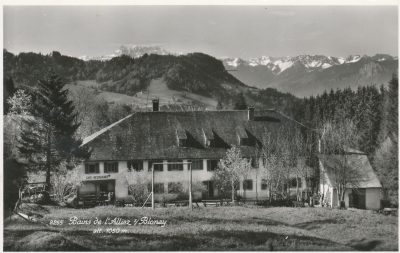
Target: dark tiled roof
[[155, 135]]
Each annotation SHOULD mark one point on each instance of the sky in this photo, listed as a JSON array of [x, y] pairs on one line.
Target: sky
[[230, 31]]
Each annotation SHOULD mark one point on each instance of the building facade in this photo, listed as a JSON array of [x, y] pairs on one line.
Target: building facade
[[115, 176], [171, 142]]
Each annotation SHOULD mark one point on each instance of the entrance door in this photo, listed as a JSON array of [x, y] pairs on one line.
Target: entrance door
[[103, 187], [358, 197], [209, 193]]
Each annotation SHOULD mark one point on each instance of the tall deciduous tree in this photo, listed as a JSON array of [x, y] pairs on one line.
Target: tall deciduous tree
[[47, 138], [231, 169], [338, 139]]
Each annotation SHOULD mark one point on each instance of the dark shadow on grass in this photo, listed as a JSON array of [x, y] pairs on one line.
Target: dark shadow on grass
[[365, 245], [39, 240], [315, 224]]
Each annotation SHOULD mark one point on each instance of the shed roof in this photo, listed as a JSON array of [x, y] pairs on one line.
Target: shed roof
[[363, 173], [152, 135]]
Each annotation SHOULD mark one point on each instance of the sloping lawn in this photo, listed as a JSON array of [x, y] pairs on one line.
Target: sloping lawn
[[211, 228]]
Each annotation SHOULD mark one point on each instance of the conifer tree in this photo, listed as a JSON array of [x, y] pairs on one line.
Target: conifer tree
[[240, 103], [47, 138]]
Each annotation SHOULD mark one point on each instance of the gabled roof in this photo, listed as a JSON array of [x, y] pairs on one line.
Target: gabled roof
[[98, 133], [362, 173], [152, 135]]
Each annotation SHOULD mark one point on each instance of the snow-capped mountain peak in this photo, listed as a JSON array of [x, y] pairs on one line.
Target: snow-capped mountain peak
[[310, 62], [137, 51], [134, 51], [353, 58], [233, 62]]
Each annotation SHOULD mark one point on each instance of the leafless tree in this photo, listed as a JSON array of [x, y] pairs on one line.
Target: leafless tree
[[233, 168], [338, 139]]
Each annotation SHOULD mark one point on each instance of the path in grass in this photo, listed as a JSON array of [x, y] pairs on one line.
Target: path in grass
[[217, 228]]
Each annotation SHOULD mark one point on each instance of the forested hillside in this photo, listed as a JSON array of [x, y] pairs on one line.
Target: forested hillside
[[195, 73], [374, 111]]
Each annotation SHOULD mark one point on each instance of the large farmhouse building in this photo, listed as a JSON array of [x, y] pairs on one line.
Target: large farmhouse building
[[198, 138], [170, 142]]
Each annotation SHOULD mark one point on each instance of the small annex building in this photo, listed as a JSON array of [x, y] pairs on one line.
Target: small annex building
[[363, 192]]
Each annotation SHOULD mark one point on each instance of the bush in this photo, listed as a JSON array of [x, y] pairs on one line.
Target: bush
[[138, 186], [14, 179]]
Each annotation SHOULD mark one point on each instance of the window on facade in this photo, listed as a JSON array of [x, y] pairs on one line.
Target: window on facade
[[92, 168], [248, 185], [212, 165], [293, 183], [175, 165], [111, 167], [158, 188], [157, 167], [175, 188], [196, 164], [135, 165], [264, 184]]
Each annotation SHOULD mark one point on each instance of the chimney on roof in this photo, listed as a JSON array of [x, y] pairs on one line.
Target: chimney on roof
[[250, 113], [156, 104]]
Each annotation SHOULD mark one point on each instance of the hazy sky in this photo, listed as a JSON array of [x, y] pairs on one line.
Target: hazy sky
[[240, 31]]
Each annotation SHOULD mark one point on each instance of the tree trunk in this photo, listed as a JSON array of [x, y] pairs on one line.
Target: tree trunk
[[48, 162], [297, 189], [233, 191], [244, 192], [270, 192], [256, 186]]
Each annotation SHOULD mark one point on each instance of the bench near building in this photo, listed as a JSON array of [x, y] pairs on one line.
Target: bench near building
[[200, 138]]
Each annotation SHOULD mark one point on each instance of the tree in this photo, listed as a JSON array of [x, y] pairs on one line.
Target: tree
[[338, 139], [231, 169], [385, 159], [240, 102], [14, 180], [219, 105], [65, 181], [8, 91], [272, 171], [47, 139], [138, 182], [20, 103], [393, 109]]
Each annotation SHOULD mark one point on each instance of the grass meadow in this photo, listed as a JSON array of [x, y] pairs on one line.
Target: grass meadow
[[206, 228]]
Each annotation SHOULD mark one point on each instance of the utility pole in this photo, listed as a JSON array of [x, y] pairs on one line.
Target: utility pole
[[190, 187], [152, 186]]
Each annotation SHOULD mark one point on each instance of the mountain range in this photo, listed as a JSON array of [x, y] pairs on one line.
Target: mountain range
[[302, 75], [307, 75]]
